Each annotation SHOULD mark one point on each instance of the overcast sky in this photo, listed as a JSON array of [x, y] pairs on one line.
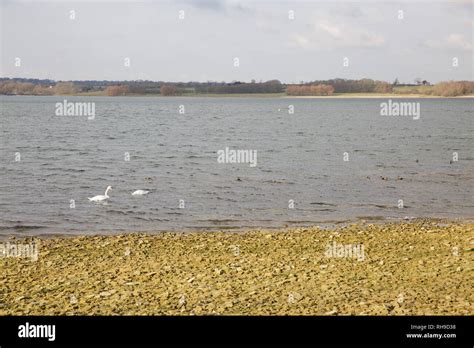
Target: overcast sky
[[268, 44]]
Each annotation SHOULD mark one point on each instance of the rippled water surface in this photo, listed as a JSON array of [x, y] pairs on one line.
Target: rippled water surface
[[299, 158]]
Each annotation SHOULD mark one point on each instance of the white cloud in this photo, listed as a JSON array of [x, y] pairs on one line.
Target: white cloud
[[302, 41], [354, 10], [328, 35], [452, 41], [331, 29]]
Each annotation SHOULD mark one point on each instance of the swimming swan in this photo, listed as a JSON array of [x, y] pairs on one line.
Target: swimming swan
[[101, 198], [140, 192]]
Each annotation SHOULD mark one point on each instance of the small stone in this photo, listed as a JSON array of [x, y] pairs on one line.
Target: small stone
[[106, 293], [333, 312]]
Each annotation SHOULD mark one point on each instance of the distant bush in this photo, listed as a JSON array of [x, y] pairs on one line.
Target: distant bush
[[43, 90], [14, 87], [237, 87], [413, 89], [114, 91], [382, 87], [453, 88], [169, 90], [25, 88], [64, 88], [356, 86], [302, 90]]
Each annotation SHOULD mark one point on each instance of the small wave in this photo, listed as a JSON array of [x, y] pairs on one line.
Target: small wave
[[218, 221], [325, 209], [371, 218], [218, 227], [323, 203], [21, 227], [278, 182], [149, 219], [119, 212]]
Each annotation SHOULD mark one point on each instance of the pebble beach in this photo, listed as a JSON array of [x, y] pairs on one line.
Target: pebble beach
[[408, 268]]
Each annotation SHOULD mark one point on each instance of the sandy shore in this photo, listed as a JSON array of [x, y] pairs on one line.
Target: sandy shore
[[390, 269]]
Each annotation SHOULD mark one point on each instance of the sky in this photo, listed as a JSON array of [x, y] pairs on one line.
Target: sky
[[291, 41]]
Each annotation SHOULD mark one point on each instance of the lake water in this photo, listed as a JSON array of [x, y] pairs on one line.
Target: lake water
[[49, 160]]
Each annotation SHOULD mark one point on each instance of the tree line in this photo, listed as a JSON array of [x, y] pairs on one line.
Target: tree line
[[309, 90], [313, 88]]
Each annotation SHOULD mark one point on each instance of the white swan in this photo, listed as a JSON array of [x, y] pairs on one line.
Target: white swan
[[101, 198], [140, 192]]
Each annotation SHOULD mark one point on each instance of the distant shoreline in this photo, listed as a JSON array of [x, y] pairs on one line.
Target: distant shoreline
[[335, 88], [378, 96], [262, 95]]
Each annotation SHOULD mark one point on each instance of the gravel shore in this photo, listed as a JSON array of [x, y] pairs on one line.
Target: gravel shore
[[413, 268]]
